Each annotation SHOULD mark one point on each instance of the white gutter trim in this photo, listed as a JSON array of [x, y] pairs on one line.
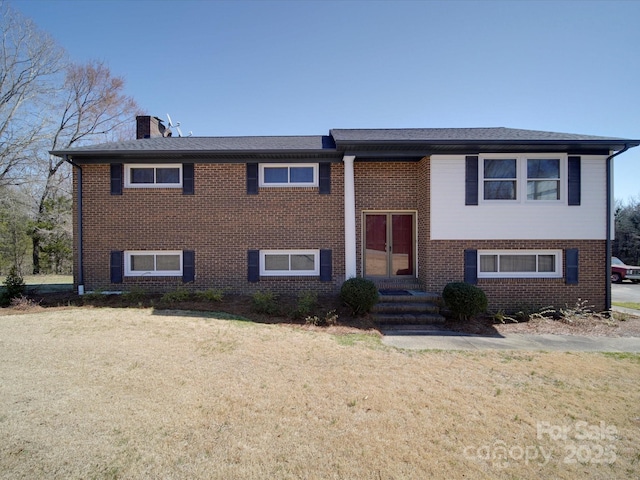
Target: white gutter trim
[[349, 218]]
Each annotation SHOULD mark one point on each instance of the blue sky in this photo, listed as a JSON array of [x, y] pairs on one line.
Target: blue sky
[[304, 67]]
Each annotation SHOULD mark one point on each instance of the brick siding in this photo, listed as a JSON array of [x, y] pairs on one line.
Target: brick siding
[[446, 264], [220, 223]]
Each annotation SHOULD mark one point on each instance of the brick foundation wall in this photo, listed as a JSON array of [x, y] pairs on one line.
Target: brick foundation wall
[[220, 223], [446, 264]]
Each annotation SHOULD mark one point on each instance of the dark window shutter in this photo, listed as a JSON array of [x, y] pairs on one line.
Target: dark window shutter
[[116, 266], [574, 180], [324, 178], [571, 257], [253, 261], [325, 266], [188, 183], [252, 178], [188, 266], [116, 178], [471, 180], [471, 266]]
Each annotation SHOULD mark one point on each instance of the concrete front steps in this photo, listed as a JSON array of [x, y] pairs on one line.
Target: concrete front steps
[[406, 303]]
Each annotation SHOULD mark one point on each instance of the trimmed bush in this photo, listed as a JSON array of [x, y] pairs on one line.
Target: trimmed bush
[[359, 294], [211, 295], [464, 300], [307, 303], [265, 302], [180, 294]]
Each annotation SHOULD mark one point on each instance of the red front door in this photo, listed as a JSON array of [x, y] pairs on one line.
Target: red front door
[[389, 245]]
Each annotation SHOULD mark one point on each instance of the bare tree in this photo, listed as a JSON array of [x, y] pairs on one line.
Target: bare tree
[[48, 104], [30, 62], [14, 222], [93, 108]]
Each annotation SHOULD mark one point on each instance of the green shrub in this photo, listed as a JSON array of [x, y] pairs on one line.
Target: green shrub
[[359, 294], [265, 302], [14, 286], [464, 300], [180, 294], [307, 303], [211, 295], [134, 295]]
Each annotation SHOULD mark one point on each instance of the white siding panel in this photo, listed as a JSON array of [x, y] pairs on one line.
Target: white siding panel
[[451, 219]]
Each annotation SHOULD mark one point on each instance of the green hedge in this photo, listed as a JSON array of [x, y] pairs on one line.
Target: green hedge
[[359, 294], [464, 300]]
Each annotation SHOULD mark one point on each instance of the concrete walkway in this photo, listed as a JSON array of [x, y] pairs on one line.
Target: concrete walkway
[[443, 340], [426, 338]]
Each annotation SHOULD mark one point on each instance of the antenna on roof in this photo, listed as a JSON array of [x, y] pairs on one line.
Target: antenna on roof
[[177, 126]]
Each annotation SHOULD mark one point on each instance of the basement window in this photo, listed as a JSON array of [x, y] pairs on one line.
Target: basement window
[[289, 263], [520, 264], [153, 263]]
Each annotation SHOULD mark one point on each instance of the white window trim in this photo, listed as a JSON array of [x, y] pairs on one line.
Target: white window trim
[[521, 177], [129, 166], [151, 273], [290, 273], [262, 183], [555, 274]]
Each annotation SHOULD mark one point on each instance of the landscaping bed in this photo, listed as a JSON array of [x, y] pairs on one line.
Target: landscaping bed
[[578, 321]]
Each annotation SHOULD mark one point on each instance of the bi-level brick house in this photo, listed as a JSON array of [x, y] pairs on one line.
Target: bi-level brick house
[[525, 215]]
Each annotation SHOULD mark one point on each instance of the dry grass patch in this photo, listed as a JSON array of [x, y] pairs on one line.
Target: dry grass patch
[[117, 393]]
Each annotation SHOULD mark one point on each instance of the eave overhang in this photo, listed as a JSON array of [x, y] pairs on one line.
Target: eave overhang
[[203, 157], [363, 150], [413, 150]]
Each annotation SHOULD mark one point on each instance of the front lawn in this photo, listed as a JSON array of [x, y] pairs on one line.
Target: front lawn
[[142, 393]]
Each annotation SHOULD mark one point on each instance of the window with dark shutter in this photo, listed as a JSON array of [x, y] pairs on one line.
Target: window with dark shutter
[[188, 183], [471, 180], [253, 264], [188, 266], [571, 276], [252, 178], [116, 178], [324, 178], [471, 266], [116, 266], [325, 266], [574, 180]]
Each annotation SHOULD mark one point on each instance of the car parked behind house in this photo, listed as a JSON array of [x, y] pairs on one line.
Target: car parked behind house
[[620, 271]]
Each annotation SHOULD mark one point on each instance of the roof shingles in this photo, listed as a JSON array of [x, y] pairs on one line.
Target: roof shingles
[[341, 139]]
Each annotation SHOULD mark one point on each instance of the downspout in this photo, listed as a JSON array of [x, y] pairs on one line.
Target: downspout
[[607, 296], [79, 221]]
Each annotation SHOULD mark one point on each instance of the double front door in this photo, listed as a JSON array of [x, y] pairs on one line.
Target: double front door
[[389, 244]]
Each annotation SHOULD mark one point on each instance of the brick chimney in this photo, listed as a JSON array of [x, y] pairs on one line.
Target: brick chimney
[[150, 127]]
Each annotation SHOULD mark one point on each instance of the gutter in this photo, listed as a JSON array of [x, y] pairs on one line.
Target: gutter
[[607, 293], [79, 221]]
